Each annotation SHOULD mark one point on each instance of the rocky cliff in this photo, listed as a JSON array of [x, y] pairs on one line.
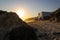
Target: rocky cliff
[[11, 24]]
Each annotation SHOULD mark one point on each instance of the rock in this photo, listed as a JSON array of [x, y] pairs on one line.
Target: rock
[[22, 33], [13, 28]]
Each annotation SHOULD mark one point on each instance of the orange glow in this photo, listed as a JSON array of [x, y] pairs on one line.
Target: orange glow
[[23, 13], [20, 13]]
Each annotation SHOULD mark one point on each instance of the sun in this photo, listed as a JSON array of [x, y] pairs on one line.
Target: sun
[[20, 13]]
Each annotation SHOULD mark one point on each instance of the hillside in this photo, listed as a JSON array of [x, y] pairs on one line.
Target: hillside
[[55, 16], [11, 27]]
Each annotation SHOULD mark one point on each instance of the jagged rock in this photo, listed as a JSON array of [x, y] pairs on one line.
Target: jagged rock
[[13, 28]]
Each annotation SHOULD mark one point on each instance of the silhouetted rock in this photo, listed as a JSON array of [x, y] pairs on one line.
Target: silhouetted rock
[[55, 16], [13, 28], [22, 33]]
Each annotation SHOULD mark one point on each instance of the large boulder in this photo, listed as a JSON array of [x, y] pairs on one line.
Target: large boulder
[[21, 33], [13, 28]]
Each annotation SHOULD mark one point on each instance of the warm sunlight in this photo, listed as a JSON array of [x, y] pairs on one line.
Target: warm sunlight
[[20, 13]]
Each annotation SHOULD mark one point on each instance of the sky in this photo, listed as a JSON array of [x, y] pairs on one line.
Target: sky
[[30, 7]]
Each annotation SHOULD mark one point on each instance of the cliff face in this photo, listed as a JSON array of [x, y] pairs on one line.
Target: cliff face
[[10, 21]]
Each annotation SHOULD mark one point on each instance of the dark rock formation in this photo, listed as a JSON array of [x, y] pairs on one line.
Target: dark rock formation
[[13, 28], [22, 33], [55, 16]]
